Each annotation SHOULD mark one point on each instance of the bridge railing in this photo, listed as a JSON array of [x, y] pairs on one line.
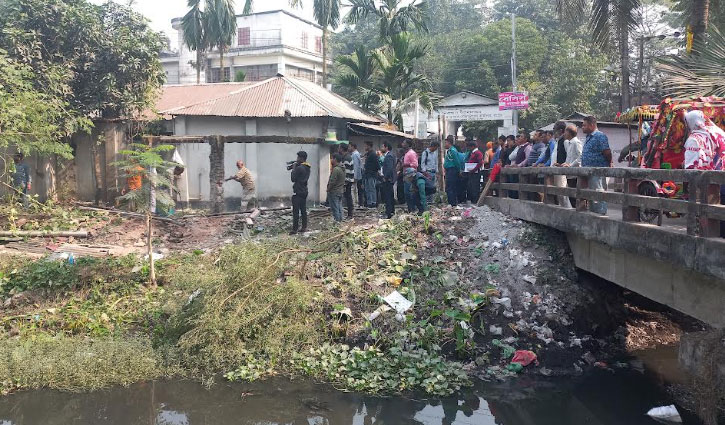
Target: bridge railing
[[702, 206]]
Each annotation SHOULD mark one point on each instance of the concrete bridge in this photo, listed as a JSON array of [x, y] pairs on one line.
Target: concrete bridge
[[676, 262]]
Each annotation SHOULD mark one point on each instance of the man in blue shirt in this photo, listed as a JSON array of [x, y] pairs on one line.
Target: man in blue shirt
[[596, 153], [497, 150], [545, 157]]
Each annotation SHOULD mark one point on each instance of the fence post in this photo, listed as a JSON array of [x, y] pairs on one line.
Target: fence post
[[630, 213], [548, 181], [710, 195], [582, 182]]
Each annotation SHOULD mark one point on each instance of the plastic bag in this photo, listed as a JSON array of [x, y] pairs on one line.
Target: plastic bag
[[524, 357]]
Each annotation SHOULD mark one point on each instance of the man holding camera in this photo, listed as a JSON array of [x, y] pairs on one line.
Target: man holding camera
[[300, 175]]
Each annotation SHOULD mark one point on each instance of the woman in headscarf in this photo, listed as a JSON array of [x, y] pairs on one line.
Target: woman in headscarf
[[705, 147]]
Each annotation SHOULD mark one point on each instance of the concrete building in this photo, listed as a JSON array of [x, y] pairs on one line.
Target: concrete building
[[264, 124], [266, 44], [452, 112]]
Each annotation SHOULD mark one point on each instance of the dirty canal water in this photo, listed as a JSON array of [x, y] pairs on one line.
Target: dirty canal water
[[620, 397]]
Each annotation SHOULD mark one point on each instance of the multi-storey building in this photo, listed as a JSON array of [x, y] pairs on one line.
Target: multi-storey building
[[266, 44]]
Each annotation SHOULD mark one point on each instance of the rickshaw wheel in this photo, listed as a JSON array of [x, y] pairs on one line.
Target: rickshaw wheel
[[647, 215]]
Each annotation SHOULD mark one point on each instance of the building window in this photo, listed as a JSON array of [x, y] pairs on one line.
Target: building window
[[244, 37], [304, 40], [258, 72], [215, 75], [318, 44], [293, 71]]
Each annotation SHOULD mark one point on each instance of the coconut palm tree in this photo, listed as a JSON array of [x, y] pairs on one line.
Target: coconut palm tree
[[700, 74], [398, 84], [611, 22], [356, 77], [220, 25], [194, 37], [327, 15], [393, 18]]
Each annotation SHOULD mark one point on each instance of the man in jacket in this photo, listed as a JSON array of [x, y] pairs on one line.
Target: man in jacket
[[453, 166], [357, 167], [370, 175], [389, 176], [475, 161], [335, 187], [349, 166], [300, 175]]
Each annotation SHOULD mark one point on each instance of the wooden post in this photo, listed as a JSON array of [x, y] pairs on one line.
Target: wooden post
[[630, 213], [710, 195], [582, 182], [548, 181]]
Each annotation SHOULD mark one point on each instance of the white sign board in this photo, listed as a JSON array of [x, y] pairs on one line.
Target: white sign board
[[475, 113]]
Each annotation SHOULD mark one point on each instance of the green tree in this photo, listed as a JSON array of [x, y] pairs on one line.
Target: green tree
[[700, 74], [327, 15], [392, 17], [107, 54], [220, 25], [240, 76], [612, 22], [148, 163], [356, 77], [29, 118], [192, 24], [399, 85]]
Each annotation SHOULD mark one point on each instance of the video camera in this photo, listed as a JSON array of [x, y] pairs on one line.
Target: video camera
[[291, 165]]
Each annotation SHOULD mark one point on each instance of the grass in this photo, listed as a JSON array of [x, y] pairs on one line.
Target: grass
[[246, 311], [75, 364]]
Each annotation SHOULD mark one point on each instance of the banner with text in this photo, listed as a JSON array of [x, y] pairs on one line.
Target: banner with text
[[508, 101]]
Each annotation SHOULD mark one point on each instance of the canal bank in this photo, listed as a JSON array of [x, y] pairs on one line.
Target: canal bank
[[412, 305]]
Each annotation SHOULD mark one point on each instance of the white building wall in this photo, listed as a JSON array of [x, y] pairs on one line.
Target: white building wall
[[266, 161], [275, 39]]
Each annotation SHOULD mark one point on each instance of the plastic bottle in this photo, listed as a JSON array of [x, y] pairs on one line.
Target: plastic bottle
[[71, 259]]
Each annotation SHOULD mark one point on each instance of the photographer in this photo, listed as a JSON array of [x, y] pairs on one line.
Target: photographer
[[300, 175]]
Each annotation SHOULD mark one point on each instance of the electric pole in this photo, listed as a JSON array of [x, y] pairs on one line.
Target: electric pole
[[515, 114]]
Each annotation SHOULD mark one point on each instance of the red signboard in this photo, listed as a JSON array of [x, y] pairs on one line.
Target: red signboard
[[509, 100]]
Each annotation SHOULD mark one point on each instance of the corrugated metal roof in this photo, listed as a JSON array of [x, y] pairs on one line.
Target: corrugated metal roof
[[179, 96], [272, 97], [360, 128]]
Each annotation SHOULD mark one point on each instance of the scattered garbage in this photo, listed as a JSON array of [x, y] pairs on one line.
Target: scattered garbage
[[514, 367], [495, 330], [156, 256], [529, 279], [506, 350], [398, 302], [545, 371], [342, 314], [589, 358], [450, 278], [380, 310], [59, 256], [667, 414], [524, 357], [193, 296], [506, 301]]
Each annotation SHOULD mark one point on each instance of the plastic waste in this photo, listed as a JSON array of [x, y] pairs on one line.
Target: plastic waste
[[506, 350], [524, 357], [514, 367], [495, 330], [71, 259], [667, 414]]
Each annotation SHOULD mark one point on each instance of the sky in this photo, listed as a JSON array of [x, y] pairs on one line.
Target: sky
[[161, 12]]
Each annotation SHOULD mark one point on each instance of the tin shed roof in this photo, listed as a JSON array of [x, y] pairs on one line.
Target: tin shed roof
[[272, 98]]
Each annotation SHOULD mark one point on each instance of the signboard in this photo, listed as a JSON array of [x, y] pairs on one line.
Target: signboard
[[508, 101], [474, 113]]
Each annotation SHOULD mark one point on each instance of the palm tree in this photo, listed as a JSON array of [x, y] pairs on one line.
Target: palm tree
[[700, 74], [393, 18], [220, 25], [194, 37], [611, 20], [249, 4], [327, 15], [399, 85], [357, 77]]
